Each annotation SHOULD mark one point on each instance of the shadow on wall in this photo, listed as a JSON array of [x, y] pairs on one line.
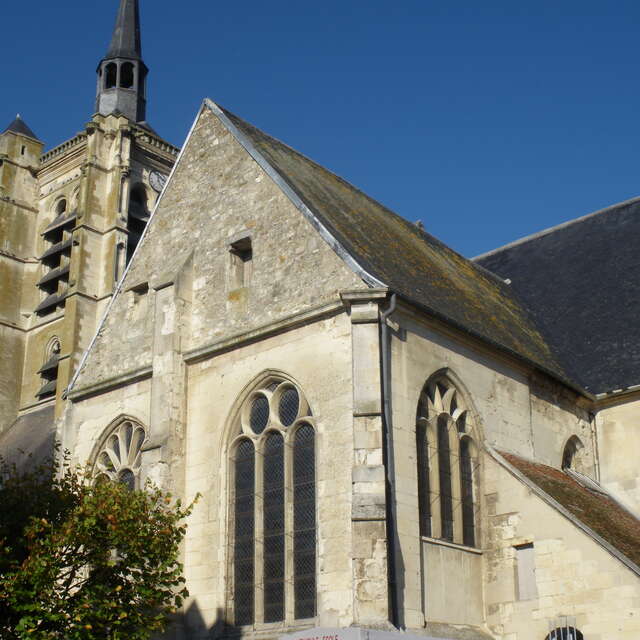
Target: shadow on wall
[[190, 625]]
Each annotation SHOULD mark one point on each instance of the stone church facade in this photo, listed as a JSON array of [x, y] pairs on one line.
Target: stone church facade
[[389, 439]]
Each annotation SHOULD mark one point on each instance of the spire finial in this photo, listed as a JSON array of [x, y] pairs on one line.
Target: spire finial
[[126, 42]]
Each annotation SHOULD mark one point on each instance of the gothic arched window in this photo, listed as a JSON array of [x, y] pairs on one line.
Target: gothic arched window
[[273, 466], [120, 457], [447, 465]]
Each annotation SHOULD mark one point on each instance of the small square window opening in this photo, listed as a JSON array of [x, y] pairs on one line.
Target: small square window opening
[[241, 259]]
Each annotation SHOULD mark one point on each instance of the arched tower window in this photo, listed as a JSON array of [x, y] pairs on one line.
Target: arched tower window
[[126, 75], [273, 464], [138, 218], [573, 454], [119, 458], [111, 75], [49, 370], [447, 463]]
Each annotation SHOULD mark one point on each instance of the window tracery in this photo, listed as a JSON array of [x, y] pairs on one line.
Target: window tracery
[[447, 464], [120, 457], [273, 507]]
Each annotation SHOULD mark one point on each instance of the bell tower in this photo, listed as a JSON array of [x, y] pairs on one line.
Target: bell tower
[[70, 220], [122, 74]]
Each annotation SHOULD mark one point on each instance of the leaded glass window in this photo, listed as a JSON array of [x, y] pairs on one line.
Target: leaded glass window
[[304, 522], [447, 465], [274, 567], [244, 531], [273, 512]]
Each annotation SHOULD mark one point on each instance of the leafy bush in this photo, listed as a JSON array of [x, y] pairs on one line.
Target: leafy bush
[[80, 560]]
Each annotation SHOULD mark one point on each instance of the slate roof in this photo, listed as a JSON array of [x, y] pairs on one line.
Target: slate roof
[[412, 263], [580, 282], [126, 41], [21, 127], [32, 433], [597, 511]]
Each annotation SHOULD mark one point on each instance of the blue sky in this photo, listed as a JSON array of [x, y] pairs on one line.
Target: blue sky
[[486, 120]]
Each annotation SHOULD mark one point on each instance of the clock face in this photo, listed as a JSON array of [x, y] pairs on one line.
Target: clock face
[[157, 181]]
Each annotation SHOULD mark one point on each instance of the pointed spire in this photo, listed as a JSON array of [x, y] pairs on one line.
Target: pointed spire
[[20, 126], [125, 42], [122, 73]]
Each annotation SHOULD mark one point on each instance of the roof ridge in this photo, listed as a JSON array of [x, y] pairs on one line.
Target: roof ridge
[[549, 230]]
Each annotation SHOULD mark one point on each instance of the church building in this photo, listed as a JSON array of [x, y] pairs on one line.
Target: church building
[[390, 440]]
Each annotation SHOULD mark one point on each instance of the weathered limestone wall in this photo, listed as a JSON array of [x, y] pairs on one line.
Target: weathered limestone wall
[[453, 584], [318, 358], [11, 358], [86, 420], [19, 158], [619, 449], [218, 195], [572, 574], [512, 412]]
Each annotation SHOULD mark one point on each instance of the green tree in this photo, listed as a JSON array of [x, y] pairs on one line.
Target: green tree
[[85, 561]]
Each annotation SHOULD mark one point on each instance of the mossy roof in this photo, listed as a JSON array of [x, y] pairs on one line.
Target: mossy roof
[[411, 262], [597, 511]]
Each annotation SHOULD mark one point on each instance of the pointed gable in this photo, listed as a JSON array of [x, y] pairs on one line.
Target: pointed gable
[[390, 251], [208, 199], [217, 197]]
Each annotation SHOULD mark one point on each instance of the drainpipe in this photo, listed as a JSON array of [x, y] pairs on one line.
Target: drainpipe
[[389, 461], [593, 417]]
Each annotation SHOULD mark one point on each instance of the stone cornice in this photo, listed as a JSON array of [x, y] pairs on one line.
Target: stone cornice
[[260, 333]]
